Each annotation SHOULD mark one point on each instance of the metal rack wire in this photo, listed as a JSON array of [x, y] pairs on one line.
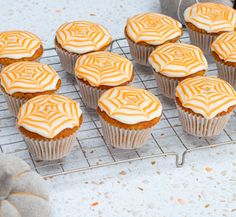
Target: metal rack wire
[[90, 150]]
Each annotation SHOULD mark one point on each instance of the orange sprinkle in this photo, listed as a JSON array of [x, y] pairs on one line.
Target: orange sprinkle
[[94, 204]]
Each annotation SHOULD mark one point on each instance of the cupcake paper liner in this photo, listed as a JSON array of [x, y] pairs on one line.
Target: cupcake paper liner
[[50, 149], [67, 59], [227, 73], [124, 138], [200, 126], [89, 94], [1, 67], [203, 41], [37, 60], [13, 103], [165, 85], [140, 53]]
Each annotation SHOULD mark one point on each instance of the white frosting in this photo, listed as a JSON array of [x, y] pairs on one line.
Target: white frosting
[[152, 28], [225, 46], [82, 37], [130, 105], [28, 77], [48, 115], [211, 17], [178, 60], [104, 68], [18, 44], [207, 96]]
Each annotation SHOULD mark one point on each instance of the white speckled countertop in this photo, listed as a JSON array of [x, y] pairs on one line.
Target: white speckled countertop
[[205, 186]]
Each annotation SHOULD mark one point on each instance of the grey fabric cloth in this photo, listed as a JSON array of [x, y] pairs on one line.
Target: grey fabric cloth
[[175, 8], [23, 193]]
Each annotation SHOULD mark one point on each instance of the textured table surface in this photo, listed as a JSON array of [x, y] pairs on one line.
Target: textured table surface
[[205, 186]]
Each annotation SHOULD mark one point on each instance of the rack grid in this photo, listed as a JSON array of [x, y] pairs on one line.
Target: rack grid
[[90, 150]]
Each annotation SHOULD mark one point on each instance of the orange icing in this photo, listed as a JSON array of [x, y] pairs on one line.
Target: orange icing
[[225, 46], [18, 44], [48, 115], [28, 77], [207, 96], [178, 59], [152, 28], [104, 68], [211, 17], [82, 36], [130, 105]]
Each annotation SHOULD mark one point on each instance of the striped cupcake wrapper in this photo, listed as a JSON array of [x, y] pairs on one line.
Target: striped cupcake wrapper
[[50, 149], [203, 41], [13, 103], [37, 60], [1, 67], [139, 52], [90, 95], [200, 126], [227, 73], [124, 138], [67, 59], [166, 86]]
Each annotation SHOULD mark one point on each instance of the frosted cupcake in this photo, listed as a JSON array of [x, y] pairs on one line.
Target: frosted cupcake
[[205, 105], [205, 21], [19, 46], [49, 125], [174, 62], [99, 71], [146, 31], [128, 115], [79, 37], [224, 53], [24, 80]]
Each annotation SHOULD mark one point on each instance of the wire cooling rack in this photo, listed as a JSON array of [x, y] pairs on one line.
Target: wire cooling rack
[[90, 150]]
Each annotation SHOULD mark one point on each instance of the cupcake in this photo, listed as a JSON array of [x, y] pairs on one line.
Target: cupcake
[[79, 37], [128, 115], [24, 80], [205, 105], [174, 62], [146, 31], [49, 125], [205, 21], [224, 53], [18, 46], [99, 71]]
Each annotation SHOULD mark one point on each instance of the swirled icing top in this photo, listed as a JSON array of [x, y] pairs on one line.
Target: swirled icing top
[[82, 37], [18, 44], [211, 17], [207, 96], [225, 46], [104, 68], [28, 77], [152, 28], [48, 115], [130, 105], [178, 59]]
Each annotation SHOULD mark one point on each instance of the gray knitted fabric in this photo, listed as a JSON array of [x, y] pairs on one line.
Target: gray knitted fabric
[[175, 8], [23, 193]]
